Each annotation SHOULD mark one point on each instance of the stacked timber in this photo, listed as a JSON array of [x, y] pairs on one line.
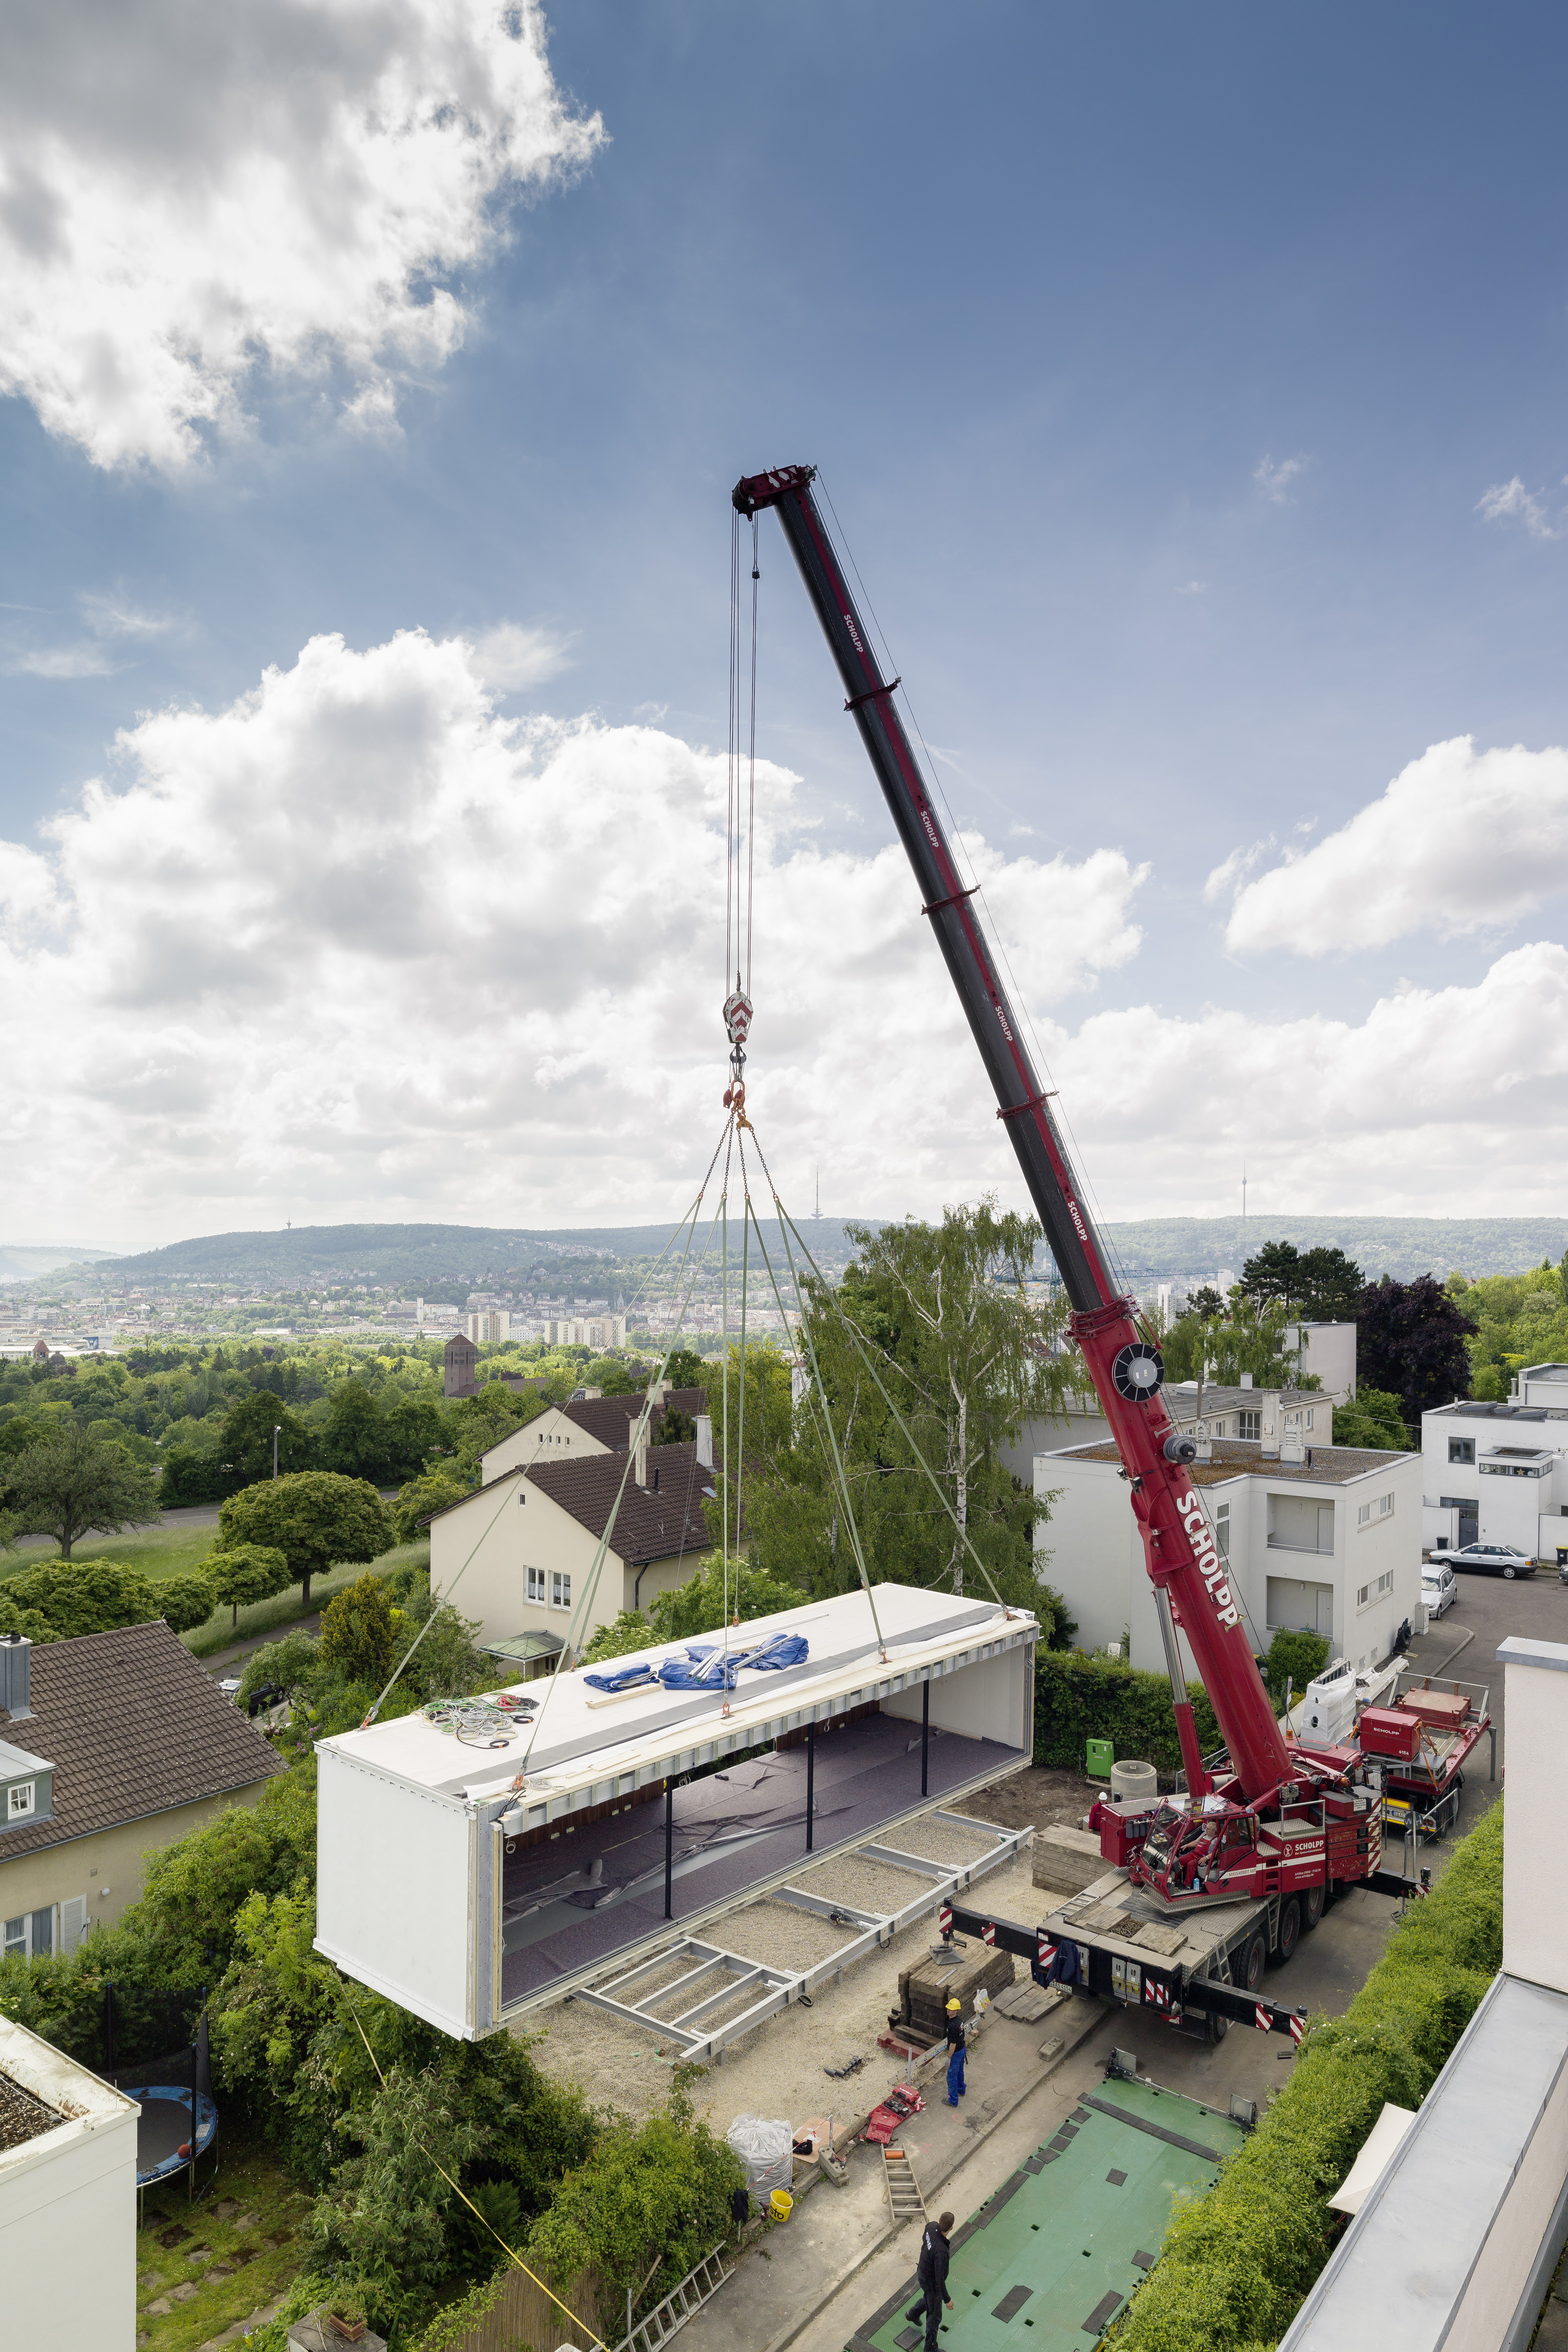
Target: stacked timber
[[925, 1989], [1066, 1859]]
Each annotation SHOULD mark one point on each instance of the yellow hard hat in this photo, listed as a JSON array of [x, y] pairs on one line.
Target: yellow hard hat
[[955, 2004]]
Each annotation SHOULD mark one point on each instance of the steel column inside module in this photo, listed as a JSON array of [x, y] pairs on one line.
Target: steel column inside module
[[473, 1881], [1050, 2260]]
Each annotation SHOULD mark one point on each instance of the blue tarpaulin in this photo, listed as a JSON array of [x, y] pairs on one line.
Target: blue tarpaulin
[[705, 1666]]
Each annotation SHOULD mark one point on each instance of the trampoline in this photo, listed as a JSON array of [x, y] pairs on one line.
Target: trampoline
[[164, 2143]]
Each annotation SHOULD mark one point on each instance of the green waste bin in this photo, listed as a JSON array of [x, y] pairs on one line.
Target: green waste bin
[[1102, 1756]]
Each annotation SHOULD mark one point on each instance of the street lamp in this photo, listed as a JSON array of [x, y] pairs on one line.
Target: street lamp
[[277, 1433]]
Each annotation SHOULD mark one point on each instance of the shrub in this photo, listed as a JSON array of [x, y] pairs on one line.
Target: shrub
[[1294, 1658], [248, 1574], [1238, 2262], [85, 1596], [418, 1502], [1078, 1698], [14, 1618], [358, 1639], [185, 1602], [652, 2199]]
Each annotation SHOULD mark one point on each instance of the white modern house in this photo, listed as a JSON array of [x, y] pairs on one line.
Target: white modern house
[[1325, 1540], [1498, 1473], [1328, 1355], [68, 2200]]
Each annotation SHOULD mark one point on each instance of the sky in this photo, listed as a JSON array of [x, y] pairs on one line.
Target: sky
[[1188, 388]]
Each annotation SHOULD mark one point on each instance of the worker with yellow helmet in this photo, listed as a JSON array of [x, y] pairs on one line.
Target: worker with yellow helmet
[[957, 2052]]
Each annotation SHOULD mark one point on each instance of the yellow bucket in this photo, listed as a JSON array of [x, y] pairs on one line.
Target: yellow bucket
[[782, 2204]]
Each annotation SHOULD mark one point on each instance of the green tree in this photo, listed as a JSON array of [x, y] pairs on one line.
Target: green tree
[[249, 1573], [418, 1502], [67, 1483], [245, 1446], [1410, 1340], [86, 1596], [354, 1433], [1375, 1419], [185, 1602], [939, 1317], [697, 1606], [357, 1637], [654, 2200], [314, 1517], [1318, 1286], [14, 1618]]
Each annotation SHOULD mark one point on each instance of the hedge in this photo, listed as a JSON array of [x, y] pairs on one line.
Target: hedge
[[1078, 1697], [1238, 2262]]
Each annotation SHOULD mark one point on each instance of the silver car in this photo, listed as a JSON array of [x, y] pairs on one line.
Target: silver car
[[1485, 1559]]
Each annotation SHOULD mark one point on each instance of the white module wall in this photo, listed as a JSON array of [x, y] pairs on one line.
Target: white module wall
[[471, 1886]]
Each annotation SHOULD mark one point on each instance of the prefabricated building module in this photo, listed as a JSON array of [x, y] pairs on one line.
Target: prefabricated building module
[[474, 1869]]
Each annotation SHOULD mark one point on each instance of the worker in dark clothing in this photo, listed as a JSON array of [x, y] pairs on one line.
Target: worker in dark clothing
[[957, 2051], [931, 2275]]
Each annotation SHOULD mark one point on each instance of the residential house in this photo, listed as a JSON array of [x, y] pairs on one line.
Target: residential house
[[1498, 1473], [1275, 1417], [109, 1745], [518, 1554], [1329, 1545], [591, 1423]]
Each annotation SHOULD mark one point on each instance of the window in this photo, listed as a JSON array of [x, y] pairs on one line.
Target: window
[[1369, 1514], [1385, 1583], [1309, 1419], [1461, 1449], [536, 1585], [1222, 1530], [30, 1933], [19, 1799], [16, 1936], [1364, 1593], [560, 1590], [1250, 1424]]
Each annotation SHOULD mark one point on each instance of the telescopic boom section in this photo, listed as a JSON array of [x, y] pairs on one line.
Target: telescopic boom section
[[1188, 1575]]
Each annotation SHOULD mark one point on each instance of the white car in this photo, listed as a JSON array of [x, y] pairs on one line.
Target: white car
[[1439, 1588]]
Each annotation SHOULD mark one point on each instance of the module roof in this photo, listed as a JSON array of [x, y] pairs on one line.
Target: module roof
[[134, 1726], [584, 1734]]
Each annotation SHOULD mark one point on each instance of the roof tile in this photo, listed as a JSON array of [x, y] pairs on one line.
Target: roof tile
[[134, 1725]]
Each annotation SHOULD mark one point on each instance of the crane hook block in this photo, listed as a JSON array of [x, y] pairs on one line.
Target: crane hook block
[[738, 1018]]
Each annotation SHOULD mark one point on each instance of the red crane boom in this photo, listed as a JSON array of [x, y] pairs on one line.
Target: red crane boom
[[1190, 1581]]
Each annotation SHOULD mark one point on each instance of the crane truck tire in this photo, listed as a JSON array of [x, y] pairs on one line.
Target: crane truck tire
[[1252, 1963], [1313, 1904], [1289, 1931], [1219, 2027]]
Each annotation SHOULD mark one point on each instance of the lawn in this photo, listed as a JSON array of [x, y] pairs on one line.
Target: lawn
[[163, 1552], [203, 2265]]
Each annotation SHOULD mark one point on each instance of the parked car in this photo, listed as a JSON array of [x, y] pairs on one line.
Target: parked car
[[1439, 1588], [1484, 1560]]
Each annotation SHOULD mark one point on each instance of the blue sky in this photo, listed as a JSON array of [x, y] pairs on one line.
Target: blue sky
[[1169, 373]]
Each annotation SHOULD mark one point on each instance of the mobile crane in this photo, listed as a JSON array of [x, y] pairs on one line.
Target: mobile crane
[[1267, 1823]]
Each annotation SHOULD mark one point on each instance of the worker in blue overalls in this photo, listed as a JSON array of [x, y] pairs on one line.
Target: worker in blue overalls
[[957, 2052]]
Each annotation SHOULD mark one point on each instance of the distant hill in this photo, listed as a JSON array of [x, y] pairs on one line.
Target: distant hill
[[24, 1261], [1402, 1247], [436, 1261], [430, 1261]]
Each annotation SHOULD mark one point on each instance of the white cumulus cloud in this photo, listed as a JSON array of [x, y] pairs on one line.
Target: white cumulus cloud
[[1275, 480], [359, 946], [193, 195], [1510, 502], [509, 657], [1461, 841]]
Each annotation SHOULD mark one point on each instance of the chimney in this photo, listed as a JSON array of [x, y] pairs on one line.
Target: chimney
[[640, 1472], [705, 1440], [1270, 1421], [15, 1675]]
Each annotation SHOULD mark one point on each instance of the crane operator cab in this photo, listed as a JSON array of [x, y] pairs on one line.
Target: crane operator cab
[[1210, 1855]]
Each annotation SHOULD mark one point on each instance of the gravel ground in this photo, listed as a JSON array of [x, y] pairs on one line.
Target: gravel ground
[[778, 2069]]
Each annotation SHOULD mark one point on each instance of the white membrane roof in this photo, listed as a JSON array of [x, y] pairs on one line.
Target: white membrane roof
[[580, 1735]]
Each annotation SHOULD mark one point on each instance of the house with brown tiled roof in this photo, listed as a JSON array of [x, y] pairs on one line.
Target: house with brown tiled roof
[[110, 1745], [592, 1423], [518, 1553]]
